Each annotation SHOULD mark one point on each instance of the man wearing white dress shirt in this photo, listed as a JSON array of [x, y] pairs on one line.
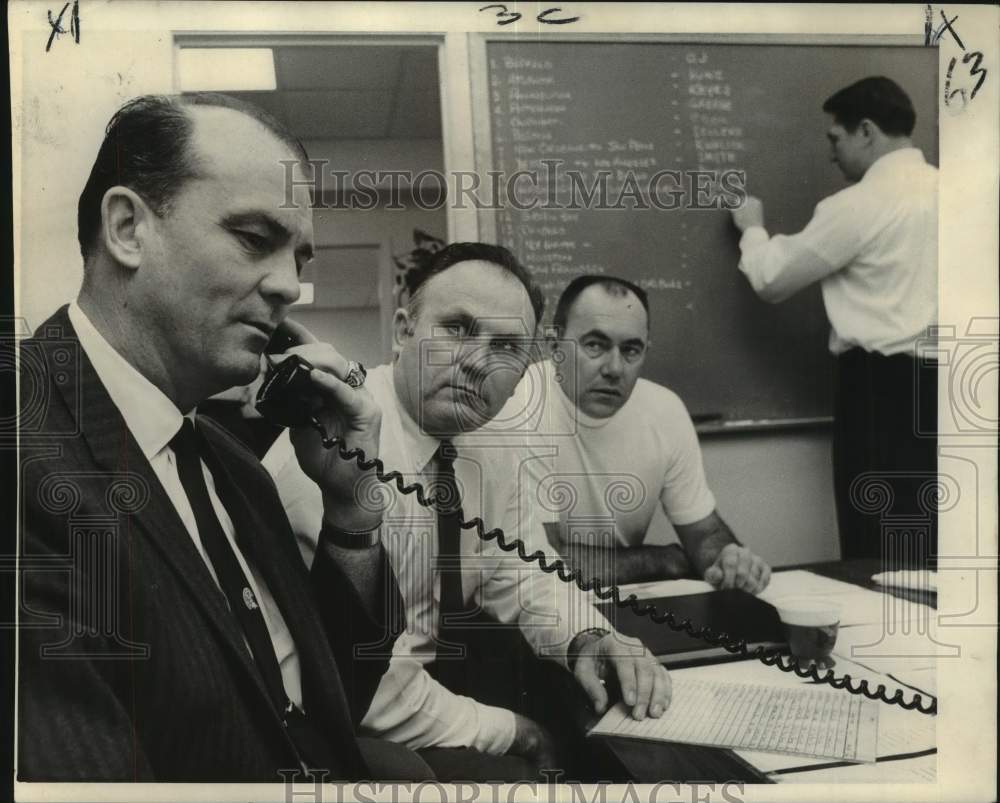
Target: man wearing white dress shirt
[[461, 345], [873, 249]]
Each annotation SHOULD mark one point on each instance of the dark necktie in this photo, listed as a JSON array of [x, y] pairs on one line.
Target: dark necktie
[[189, 448], [450, 663], [233, 581]]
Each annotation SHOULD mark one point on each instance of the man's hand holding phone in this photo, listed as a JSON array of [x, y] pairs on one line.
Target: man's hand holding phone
[[347, 413]]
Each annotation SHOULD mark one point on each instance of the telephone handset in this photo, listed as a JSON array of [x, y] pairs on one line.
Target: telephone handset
[[284, 399]]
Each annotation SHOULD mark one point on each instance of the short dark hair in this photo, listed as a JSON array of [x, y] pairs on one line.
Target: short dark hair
[[146, 148], [497, 255], [878, 99], [614, 285]]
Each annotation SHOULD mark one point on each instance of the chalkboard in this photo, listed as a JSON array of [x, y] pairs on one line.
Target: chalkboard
[[637, 109]]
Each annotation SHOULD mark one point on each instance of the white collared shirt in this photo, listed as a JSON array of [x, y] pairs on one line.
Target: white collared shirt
[[153, 421], [409, 706], [873, 246]]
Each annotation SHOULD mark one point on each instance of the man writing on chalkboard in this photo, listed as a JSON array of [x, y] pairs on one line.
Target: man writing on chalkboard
[[607, 446], [873, 249]]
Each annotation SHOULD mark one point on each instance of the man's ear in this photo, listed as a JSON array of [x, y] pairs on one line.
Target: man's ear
[[126, 223], [402, 329], [868, 129]]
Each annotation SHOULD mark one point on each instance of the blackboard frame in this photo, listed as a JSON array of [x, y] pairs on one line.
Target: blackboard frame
[[483, 142]]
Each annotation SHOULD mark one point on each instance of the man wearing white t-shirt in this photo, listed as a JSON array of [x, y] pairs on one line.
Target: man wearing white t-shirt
[[609, 447], [873, 248]]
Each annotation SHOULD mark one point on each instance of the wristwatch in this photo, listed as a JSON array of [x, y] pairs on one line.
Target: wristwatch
[[578, 640]]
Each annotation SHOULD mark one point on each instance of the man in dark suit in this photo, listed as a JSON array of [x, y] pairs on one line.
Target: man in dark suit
[[168, 628]]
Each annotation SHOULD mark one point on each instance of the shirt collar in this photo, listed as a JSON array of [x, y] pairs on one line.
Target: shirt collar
[[150, 416], [894, 160], [575, 413], [402, 442]]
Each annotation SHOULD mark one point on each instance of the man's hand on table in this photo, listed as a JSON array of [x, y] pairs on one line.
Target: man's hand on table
[[644, 683], [737, 567]]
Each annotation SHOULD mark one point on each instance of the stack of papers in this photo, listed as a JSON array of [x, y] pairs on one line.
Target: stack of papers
[[808, 721], [901, 733]]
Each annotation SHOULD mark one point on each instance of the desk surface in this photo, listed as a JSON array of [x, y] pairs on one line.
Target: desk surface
[[651, 762]]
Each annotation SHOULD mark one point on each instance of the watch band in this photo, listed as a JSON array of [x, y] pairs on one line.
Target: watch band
[[350, 539], [578, 641]]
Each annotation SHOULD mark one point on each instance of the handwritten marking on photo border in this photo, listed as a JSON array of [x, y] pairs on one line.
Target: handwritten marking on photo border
[[933, 36], [56, 27]]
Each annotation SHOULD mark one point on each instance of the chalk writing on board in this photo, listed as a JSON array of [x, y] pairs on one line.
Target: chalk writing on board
[[56, 25], [537, 133], [717, 141], [675, 119]]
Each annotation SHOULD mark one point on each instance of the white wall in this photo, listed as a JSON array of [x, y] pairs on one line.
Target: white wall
[[775, 490], [61, 138]]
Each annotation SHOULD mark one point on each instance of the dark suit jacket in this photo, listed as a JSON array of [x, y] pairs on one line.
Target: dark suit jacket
[[131, 665]]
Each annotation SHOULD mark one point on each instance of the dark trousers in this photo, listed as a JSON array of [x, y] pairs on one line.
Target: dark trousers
[[885, 458], [500, 668]]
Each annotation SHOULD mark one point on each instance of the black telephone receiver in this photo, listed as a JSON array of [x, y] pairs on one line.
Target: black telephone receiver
[[285, 398]]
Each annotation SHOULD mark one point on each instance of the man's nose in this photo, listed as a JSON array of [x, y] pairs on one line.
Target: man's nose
[[613, 363], [473, 360], [281, 283]]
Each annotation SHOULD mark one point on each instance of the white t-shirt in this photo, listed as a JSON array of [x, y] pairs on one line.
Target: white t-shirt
[[873, 247], [587, 472]]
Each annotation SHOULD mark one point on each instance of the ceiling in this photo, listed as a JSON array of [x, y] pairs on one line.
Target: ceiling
[[355, 92]]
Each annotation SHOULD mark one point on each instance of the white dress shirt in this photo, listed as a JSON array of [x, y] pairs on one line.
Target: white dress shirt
[[410, 707], [153, 421], [873, 246]]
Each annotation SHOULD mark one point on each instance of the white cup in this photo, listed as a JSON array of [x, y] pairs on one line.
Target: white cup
[[811, 626]]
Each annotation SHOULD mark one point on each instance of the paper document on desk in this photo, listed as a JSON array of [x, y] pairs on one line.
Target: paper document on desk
[[858, 606], [900, 731], [909, 657], [666, 588], [813, 722], [908, 578]]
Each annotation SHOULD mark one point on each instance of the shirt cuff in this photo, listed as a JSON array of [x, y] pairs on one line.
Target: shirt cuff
[[752, 237], [497, 728]]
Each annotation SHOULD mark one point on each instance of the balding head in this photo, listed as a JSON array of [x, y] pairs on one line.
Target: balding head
[[147, 148]]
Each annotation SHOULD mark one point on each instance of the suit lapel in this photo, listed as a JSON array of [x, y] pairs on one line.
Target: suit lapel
[[115, 449]]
